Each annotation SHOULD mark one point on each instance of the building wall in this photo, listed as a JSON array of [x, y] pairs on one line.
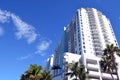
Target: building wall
[[49, 65], [69, 58], [93, 32], [87, 34]]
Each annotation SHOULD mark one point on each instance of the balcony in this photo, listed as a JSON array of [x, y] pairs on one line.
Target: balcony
[[93, 67], [108, 76], [93, 74]]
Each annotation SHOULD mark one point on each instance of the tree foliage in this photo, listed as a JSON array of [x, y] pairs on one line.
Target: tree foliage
[[108, 63], [36, 72], [77, 71]]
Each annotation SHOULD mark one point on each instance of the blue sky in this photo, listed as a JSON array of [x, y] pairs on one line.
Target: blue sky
[[31, 29]]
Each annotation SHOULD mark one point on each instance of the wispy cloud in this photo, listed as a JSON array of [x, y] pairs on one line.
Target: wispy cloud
[[43, 46], [29, 56], [4, 16], [24, 30], [1, 31]]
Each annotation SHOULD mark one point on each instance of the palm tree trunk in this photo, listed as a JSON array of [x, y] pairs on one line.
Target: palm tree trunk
[[76, 77], [116, 72], [115, 67], [112, 75]]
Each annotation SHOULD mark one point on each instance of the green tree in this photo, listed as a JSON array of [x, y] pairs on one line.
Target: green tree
[[81, 73], [108, 63], [46, 75], [35, 72], [76, 70]]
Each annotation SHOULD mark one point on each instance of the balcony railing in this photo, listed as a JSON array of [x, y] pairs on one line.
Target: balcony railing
[[93, 67], [93, 74], [108, 76]]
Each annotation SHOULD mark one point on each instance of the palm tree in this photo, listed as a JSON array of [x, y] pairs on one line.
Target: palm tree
[[47, 75], [26, 76], [36, 72], [82, 74], [77, 70], [33, 73], [23, 77], [108, 63]]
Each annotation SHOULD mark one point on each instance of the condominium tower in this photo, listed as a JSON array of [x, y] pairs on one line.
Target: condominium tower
[[87, 36]]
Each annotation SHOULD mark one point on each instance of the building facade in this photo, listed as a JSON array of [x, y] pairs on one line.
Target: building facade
[[87, 35]]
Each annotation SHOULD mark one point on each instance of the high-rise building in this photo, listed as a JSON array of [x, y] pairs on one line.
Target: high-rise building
[[87, 35], [89, 32]]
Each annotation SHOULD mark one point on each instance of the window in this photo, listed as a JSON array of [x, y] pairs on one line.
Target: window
[[75, 51], [84, 51], [80, 53], [83, 46], [79, 45], [80, 48], [83, 42], [83, 38], [82, 34]]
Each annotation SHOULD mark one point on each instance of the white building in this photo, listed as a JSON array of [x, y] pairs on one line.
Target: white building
[[49, 64], [89, 32], [87, 35]]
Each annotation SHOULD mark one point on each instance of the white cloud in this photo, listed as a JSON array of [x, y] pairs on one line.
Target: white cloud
[[43, 46], [4, 16], [24, 30], [1, 31], [29, 56]]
